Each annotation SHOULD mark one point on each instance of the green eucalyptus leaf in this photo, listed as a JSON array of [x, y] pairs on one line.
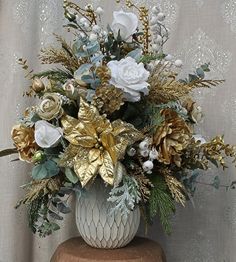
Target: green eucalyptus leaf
[[71, 176], [63, 208], [200, 72], [135, 54], [54, 215], [44, 170], [216, 182], [82, 69]]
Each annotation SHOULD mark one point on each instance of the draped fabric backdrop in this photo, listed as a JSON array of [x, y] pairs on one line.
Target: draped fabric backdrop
[[201, 31]]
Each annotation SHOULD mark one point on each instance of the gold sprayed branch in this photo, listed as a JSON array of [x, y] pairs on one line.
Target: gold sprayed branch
[[143, 16]]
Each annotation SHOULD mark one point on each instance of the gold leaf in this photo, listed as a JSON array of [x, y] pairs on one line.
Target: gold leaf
[[94, 154], [176, 188], [86, 171], [87, 113], [126, 131], [108, 142], [77, 133], [106, 170]]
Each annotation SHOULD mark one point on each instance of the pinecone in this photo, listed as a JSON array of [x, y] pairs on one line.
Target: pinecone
[[104, 74], [171, 138], [108, 99]]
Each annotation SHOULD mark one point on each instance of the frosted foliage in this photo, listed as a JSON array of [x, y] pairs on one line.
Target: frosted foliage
[[125, 197]]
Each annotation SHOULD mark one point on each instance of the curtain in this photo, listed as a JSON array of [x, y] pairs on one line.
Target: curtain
[[201, 31]]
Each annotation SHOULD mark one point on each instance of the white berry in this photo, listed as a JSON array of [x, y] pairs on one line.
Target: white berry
[[153, 154], [144, 153], [93, 37], [148, 165], [99, 10], [178, 63], [131, 151], [83, 20], [143, 145], [155, 10], [168, 57], [153, 20], [96, 28]]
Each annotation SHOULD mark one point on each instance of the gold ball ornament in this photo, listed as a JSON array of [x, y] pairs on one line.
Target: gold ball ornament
[[38, 85]]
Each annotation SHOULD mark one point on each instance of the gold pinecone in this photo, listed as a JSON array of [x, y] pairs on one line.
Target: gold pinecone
[[104, 74], [108, 99], [171, 138]]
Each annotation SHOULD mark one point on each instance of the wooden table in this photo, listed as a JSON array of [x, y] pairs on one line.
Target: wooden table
[[139, 250]]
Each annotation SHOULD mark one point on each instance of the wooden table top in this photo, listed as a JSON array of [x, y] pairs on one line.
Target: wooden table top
[[139, 250]]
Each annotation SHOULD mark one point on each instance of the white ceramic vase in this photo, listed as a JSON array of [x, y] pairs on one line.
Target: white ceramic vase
[[97, 227]]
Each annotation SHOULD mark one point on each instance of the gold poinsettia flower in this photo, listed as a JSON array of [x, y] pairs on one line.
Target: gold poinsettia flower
[[96, 144]]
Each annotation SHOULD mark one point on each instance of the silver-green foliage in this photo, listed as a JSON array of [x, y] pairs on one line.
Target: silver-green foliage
[[125, 197]]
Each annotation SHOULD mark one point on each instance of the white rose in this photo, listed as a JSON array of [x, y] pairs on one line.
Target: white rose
[[47, 135], [125, 22], [129, 76]]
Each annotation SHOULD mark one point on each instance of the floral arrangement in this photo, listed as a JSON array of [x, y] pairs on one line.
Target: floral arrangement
[[113, 108]]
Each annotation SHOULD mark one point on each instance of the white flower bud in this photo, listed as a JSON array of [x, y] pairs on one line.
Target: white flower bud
[[131, 151], [143, 145], [93, 37], [84, 47], [156, 10], [161, 17], [144, 153], [99, 11], [96, 28], [178, 63], [148, 165]]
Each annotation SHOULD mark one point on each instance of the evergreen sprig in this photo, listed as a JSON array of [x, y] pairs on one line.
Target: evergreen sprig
[[161, 203]]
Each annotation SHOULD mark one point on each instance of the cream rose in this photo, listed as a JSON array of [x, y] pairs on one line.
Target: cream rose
[[47, 135], [125, 22], [130, 77], [50, 107]]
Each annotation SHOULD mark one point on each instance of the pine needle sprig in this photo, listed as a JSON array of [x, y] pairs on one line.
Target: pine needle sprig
[[64, 56], [38, 189], [205, 83], [161, 203], [176, 188], [55, 74]]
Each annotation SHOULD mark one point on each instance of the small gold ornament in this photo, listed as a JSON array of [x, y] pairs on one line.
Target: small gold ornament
[[104, 74], [23, 138], [100, 144], [108, 99], [38, 85]]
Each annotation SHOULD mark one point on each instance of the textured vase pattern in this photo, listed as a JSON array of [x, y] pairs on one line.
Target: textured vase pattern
[[97, 226]]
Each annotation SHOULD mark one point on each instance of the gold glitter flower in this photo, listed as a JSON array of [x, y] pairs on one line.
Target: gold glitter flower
[[99, 143], [23, 138], [171, 138], [50, 107]]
